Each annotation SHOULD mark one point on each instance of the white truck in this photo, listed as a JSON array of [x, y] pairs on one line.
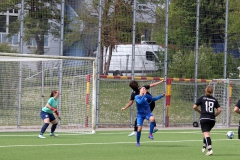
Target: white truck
[[146, 58]]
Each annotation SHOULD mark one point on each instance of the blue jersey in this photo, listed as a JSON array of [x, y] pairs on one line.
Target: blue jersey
[[142, 104]]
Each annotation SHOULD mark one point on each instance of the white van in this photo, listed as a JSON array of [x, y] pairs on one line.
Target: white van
[[146, 58]]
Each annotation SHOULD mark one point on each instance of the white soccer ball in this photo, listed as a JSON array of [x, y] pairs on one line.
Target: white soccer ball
[[230, 134]]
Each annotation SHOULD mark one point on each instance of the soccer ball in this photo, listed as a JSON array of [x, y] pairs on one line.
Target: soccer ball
[[230, 134]]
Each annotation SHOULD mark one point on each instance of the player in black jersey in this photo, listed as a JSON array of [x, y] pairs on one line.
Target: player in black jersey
[[236, 109], [135, 91], [207, 116]]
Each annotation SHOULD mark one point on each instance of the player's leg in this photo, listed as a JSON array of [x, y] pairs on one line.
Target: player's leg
[[152, 122], [46, 120], [152, 106], [239, 131], [204, 144], [206, 133], [134, 130], [139, 130], [54, 125]]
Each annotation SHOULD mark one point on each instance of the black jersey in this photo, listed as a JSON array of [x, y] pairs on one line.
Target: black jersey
[[238, 104], [208, 104]]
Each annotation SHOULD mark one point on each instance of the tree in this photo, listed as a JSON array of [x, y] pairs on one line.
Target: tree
[[182, 21], [41, 18]]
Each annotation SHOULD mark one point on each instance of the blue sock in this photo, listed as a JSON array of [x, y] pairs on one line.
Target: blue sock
[[138, 136], [44, 127], [151, 127], [53, 127]]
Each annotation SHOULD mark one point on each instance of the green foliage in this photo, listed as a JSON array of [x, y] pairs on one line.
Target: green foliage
[[4, 47], [209, 64]]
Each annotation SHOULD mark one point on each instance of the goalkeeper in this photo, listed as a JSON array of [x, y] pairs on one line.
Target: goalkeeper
[[47, 114], [144, 112]]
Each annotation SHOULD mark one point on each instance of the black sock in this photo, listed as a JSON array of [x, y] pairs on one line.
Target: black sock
[[209, 143], [53, 127], [44, 127], [239, 131], [204, 143], [135, 125]]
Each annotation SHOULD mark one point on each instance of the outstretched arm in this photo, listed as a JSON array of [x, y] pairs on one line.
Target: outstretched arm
[[156, 83], [127, 105], [158, 97]]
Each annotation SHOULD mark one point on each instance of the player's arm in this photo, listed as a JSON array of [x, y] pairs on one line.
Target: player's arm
[[219, 110], [156, 83], [195, 107], [158, 97], [50, 107], [236, 109], [54, 110], [140, 99], [128, 105]]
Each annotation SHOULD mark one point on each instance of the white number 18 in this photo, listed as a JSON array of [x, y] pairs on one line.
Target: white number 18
[[209, 106]]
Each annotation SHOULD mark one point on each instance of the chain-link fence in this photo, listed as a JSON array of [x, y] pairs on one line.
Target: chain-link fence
[[190, 39]]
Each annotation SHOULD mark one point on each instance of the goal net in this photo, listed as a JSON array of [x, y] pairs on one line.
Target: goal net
[[227, 93], [26, 82]]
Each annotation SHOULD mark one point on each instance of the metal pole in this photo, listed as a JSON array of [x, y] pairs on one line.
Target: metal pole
[[61, 61], [225, 102], [133, 56], [127, 64], [165, 60], [98, 60], [20, 65], [196, 58], [225, 42]]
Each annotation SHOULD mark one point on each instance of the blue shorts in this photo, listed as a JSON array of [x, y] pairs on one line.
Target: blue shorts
[[140, 118], [45, 115]]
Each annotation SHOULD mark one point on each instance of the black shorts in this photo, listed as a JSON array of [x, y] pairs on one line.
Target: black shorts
[[207, 125], [152, 106]]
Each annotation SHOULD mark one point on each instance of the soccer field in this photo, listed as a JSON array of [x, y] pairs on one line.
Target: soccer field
[[116, 145]]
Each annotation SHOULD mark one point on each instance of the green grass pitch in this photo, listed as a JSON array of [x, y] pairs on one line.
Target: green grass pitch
[[168, 144]]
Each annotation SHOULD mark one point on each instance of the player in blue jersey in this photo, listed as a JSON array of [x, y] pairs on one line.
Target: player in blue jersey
[[144, 111], [135, 91], [47, 114], [236, 109], [207, 116]]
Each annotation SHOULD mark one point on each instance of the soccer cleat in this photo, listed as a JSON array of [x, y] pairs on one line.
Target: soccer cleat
[[150, 137], [137, 144], [41, 136], [155, 130], [53, 135], [132, 134], [209, 153], [203, 150]]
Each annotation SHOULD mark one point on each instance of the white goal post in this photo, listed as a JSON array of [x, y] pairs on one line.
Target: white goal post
[[27, 80]]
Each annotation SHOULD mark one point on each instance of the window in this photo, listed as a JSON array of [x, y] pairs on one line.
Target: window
[[150, 56], [3, 23], [12, 41], [13, 11], [12, 19]]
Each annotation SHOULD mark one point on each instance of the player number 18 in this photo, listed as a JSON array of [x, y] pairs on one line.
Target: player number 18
[[209, 106]]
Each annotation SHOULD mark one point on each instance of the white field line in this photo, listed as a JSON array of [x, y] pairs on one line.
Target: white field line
[[81, 144], [120, 132]]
